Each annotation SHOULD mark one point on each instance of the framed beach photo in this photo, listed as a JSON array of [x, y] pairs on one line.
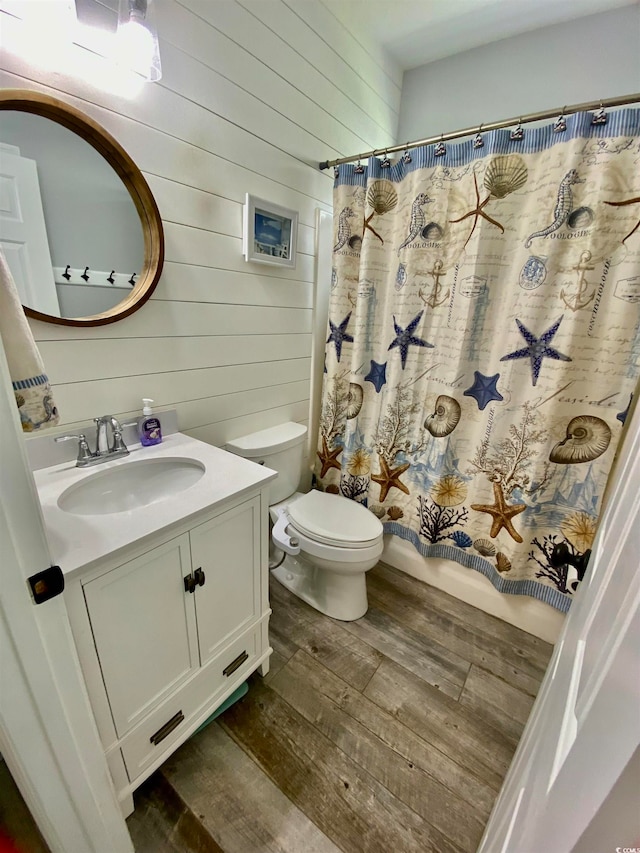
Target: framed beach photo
[[269, 233]]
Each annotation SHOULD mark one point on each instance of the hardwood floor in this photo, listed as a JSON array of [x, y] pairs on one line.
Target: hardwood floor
[[18, 829], [391, 733]]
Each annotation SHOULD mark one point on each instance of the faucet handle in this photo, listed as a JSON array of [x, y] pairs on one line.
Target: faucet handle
[[118, 442], [84, 453]]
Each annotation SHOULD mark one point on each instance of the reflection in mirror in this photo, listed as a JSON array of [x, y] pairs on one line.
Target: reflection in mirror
[[117, 256], [68, 227]]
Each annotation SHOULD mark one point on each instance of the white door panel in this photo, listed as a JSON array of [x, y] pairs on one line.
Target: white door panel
[[585, 725], [23, 233]]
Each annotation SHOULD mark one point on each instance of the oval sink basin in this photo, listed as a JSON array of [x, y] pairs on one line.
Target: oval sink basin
[[131, 486]]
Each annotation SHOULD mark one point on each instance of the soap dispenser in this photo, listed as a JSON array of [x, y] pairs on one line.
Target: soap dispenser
[[149, 429]]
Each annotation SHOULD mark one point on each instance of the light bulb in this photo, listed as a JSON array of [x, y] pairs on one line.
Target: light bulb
[[135, 47], [136, 42]]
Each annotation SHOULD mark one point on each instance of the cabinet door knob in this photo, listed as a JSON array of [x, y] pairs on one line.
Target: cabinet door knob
[[199, 577], [189, 583]]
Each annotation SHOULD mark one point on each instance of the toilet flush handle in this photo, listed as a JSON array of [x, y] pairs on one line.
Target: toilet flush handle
[[280, 537]]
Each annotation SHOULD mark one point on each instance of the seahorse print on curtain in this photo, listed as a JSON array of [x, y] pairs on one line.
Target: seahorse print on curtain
[[484, 346]]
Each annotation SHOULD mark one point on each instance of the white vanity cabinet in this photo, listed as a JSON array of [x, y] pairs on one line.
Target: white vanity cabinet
[[168, 632]]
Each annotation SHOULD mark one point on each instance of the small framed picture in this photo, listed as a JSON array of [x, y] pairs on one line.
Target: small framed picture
[[269, 233]]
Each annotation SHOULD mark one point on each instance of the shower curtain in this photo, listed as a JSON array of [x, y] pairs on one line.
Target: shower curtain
[[484, 344]]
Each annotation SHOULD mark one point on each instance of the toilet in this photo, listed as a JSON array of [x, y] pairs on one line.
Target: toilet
[[329, 542]]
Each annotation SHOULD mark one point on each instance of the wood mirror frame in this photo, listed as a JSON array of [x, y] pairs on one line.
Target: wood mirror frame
[[43, 105]]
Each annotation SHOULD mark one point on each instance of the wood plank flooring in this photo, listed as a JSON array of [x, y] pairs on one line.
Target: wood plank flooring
[[391, 733]]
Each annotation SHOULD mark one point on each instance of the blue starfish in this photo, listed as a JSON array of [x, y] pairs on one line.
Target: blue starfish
[[622, 416], [538, 348], [377, 375], [484, 389], [405, 338], [339, 335]]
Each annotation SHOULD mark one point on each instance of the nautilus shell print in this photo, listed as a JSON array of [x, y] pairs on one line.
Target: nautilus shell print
[[587, 437], [445, 418], [354, 399]]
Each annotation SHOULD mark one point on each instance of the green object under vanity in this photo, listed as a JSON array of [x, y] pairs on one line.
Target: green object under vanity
[[237, 694]]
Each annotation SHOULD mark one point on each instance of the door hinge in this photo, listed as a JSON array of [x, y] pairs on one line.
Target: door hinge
[[47, 584]]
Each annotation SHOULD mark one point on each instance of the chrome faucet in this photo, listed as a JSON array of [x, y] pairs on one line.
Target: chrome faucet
[[104, 451]]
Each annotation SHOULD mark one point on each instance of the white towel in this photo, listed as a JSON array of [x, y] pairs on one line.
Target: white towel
[[30, 383]]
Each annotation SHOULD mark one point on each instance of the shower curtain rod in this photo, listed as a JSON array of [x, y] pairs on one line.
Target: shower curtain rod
[[496, 125]]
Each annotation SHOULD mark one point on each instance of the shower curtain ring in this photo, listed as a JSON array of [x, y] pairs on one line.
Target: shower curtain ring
[[599, 116], [478, 141], [518, 132], [385, 163], [561, 123], [441, 148], [358, 168], [406, 157]]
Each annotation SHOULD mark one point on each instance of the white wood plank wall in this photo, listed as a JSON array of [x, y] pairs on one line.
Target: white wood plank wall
[[254, 93]]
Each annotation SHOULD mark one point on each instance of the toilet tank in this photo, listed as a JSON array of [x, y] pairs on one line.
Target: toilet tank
[[280, 448]]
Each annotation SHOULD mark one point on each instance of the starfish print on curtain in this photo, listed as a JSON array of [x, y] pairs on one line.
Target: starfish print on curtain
[[533, 346], [339, 335], [405, 338], [477, 212], [377, 375], [501, 513], [624, 204], [484, 389], [389, 478], [538, 349], [329, 458]]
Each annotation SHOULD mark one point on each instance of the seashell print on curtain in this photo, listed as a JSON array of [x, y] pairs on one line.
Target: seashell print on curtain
[[484, 345]]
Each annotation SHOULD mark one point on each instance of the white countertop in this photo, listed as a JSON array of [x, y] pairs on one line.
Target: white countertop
[[78, 540]]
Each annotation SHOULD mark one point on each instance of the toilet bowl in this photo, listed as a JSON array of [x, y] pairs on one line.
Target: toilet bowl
[[326, 566], [329, 542]]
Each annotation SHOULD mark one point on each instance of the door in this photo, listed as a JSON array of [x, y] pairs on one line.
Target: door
[[47, 732], [23, 232], [585, 726], [143, 625], [227, 551]]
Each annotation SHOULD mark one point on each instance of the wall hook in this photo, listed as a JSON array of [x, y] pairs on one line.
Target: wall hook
[[66, 273], [110, 277], [85, 274], [132, 280]]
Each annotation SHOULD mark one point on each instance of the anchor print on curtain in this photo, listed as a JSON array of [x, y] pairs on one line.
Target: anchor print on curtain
[[484, 345]]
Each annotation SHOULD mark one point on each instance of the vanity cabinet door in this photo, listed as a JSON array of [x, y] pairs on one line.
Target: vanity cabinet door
[[227, 551], [144, 629]]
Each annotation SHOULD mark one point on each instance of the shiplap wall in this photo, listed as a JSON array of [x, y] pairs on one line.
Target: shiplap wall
[[254, 93]]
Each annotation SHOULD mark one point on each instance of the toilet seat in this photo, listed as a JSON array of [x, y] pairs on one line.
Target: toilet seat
[[335, 552], [334, 521]]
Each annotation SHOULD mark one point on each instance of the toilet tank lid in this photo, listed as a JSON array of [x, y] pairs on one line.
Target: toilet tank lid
[[271, 440]]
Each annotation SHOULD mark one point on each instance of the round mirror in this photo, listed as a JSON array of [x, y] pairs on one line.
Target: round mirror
[[79, 226]]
